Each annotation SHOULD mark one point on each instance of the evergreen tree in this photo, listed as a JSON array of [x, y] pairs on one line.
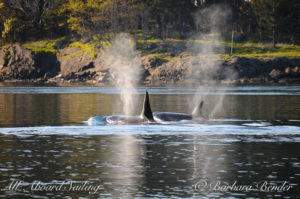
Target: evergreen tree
[[272, 20]]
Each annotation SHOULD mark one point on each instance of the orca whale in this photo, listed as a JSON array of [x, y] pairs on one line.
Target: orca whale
[[145, 117], [172, 116]]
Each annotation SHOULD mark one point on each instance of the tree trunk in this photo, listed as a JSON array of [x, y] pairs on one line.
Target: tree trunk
[[273, 25], [274, 37], [232, 35], [260, 36]]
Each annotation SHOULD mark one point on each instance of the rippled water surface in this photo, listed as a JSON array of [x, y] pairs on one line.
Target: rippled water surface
[[55, 136]]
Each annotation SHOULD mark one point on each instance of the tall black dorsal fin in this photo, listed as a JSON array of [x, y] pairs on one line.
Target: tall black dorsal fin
[[197, 112], [146, 112]]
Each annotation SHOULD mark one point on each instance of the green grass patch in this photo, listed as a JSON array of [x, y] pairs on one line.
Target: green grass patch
[[50, 46], [85, 47], [140, 43], [41, 46], [264, 51], [44, 45], [208, 42], [221, 49], [270, 55], [164, 56]]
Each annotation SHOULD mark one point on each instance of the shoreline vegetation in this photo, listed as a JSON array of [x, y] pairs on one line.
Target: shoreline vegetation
[[162, 62], [165, 42]]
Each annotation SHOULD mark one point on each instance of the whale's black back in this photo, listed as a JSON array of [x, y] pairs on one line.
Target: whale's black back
[[171, 116]]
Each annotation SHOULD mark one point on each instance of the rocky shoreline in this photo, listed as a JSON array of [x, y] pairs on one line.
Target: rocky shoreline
[[73, 65]]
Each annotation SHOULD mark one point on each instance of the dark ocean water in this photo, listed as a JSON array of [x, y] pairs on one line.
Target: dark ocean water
[[55, 145]]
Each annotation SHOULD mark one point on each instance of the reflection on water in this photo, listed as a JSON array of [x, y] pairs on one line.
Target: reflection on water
[[50, 109], [61, 109], [251, 139], [148, 165]]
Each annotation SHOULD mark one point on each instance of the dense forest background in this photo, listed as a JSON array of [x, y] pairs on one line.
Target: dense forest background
[[250, 20]]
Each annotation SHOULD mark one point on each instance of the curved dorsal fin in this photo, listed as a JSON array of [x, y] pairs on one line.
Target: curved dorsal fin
[[197, 112], [146, 112]]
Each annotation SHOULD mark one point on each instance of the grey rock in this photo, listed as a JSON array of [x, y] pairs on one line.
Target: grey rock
[[150, 62], [73, 61], [18, 62], [275, 74]]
